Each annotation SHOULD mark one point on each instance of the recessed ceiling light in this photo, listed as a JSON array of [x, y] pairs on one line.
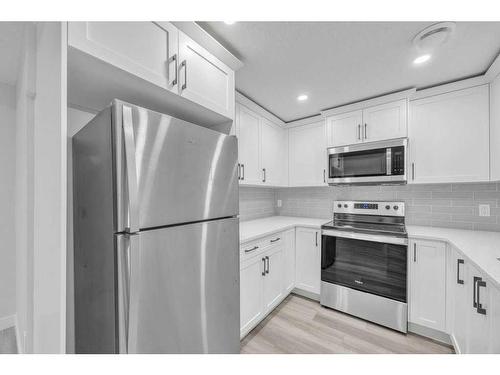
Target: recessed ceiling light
[[422, 59], [302, 97], [229, 22]]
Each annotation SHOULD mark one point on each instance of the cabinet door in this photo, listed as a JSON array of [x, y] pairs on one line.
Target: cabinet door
[[273, 280], [289, 260], [344, 129], [449, 137], [273, 154], [204, 79], [144, 49], [459, 283], [495, 320], [308, 259], [248, 128], [307, 155], [478, 332], [251, 293], [428, 284], [495, 128], [385, 121]]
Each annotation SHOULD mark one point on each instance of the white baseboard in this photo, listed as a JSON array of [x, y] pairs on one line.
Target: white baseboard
[[433, 334], [305, 293]]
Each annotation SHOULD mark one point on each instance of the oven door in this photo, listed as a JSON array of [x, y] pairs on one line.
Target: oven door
[[368, 163], [375, 264]]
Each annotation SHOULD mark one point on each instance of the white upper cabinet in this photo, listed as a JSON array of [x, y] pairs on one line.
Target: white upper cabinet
[[144, 49], [344, 129], [427, 266], [495, 128], [307, 155], [204, 79], [273, 154], [248, 133], [385, 121], [160, 54], [376, 123], [449, 137], [262, 149]]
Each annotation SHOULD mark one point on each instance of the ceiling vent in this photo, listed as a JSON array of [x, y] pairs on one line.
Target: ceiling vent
[[434, 36]]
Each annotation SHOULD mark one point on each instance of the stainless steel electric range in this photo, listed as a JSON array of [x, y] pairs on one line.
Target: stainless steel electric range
[[364, 262]]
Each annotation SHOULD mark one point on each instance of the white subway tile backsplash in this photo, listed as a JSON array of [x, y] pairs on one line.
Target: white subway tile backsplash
[[443, 205]]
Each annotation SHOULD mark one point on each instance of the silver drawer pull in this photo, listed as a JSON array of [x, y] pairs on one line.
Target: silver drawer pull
[[276, 239], [252, 249]]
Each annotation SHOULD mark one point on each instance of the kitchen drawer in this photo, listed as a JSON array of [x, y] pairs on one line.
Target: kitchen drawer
[[256, 247]]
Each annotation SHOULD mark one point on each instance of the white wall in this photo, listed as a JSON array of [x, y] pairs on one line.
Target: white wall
[[7, 200], [49, 189], [76, 120]]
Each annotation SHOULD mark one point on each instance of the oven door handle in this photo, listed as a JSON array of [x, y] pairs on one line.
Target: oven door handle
[[365, 237]]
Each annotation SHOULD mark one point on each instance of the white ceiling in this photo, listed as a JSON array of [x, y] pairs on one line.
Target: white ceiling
[[10, 50], [336, 63]]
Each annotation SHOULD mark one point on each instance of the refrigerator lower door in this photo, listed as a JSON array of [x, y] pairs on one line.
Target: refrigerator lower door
[[169, 171], [182, 289]]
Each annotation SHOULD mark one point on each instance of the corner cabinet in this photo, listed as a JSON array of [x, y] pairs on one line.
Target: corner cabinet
[[307, 156], [449, 137], [263, 150], [308, 260], [376, 123], [427, 297]]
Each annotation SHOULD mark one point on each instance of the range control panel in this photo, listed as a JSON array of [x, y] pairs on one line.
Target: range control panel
[[370, 208]]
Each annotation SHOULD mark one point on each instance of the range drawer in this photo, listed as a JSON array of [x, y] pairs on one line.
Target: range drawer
[[256, 247]]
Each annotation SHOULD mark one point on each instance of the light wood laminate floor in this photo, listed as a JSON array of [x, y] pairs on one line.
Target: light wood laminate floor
[[300, 325]]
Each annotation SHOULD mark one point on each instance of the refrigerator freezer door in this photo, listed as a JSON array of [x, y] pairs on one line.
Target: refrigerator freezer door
[[184, 289], [184, 172]]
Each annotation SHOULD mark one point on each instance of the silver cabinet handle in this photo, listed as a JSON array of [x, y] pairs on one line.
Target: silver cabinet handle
[[264, 174], [459, 262], [242, 171], [252, 249], [184, 64], [275, 240], [176, 60], [133, 200], [366, 136], [324, 176], [316, 239], [474, 290], [359, 131], [267, 260], [264, 272], [413, 171], [414, 252], [480, 309], [239, 171]]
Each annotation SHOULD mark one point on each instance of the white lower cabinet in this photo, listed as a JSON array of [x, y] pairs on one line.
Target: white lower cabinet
[[289, 260], [427, 267], [308, 260], [266, 278], [273, 280], [251, 293]]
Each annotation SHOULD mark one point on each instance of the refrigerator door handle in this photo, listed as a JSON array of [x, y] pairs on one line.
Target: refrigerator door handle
[[134, 292], [123, 263], [133, 203]]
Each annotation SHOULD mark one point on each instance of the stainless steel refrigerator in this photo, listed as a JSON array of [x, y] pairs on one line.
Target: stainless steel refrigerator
[[156, 235]]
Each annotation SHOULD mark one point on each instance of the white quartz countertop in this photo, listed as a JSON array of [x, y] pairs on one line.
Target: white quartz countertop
[[253, 229], [480, 247]]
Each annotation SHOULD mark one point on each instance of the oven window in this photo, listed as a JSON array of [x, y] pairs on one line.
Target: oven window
[[372, 267], [359, 163]]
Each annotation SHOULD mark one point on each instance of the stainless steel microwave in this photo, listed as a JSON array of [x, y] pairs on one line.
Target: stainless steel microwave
[[382, 162]]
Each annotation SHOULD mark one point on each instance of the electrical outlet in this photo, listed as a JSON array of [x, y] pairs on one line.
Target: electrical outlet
[[484, 210], [279, 203]]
